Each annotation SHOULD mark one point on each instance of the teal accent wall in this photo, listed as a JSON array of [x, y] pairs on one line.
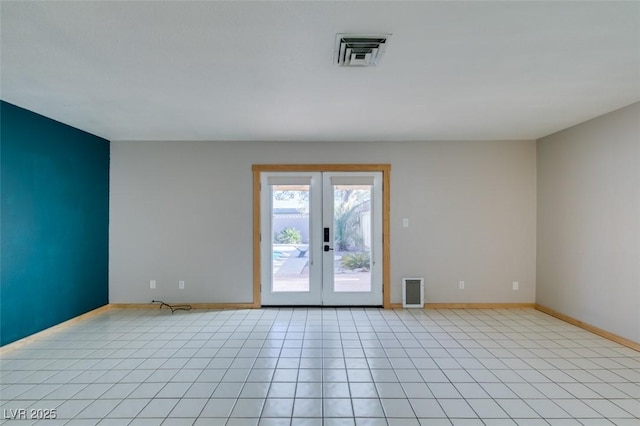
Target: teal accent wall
[[54, 222]]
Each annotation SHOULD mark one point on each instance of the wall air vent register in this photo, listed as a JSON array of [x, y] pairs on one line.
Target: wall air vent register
[[413, 292]]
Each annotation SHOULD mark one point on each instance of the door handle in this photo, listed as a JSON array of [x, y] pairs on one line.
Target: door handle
[[327, 248]]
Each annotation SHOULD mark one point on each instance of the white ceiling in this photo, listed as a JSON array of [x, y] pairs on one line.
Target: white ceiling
[[240, 70]]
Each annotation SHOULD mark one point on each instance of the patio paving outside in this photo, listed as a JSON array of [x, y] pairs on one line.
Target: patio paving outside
[[291, 272]]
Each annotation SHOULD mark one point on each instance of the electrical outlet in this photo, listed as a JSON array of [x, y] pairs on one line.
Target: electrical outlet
[[461, 285], [181, 285], [152, 284], [516, 286], [405, 222]]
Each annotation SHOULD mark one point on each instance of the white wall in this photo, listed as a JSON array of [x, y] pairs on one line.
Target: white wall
[[183, 210], [589, 222]]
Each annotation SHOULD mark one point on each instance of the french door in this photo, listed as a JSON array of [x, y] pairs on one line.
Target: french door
[[321, 238]]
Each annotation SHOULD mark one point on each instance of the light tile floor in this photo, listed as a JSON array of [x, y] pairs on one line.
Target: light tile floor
[[322, 367]]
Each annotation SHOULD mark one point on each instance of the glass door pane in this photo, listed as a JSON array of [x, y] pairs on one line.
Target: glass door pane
[[290, 238], [352, 238]]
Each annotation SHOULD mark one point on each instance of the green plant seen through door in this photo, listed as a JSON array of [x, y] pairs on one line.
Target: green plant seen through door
[[356, 260], [289, 236], [349, 205]]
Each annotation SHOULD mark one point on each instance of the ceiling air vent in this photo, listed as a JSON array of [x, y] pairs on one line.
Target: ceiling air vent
[[359, 50]]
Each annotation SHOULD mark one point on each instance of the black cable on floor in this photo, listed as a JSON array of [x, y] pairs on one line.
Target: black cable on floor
[[173, 307]]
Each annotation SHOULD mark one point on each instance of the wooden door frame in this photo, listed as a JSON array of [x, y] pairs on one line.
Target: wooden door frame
[[386, 209]]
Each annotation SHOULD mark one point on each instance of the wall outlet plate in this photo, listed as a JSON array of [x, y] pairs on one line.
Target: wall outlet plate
[[152, 284], [516, 286], [461, 285], [181, 285]]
